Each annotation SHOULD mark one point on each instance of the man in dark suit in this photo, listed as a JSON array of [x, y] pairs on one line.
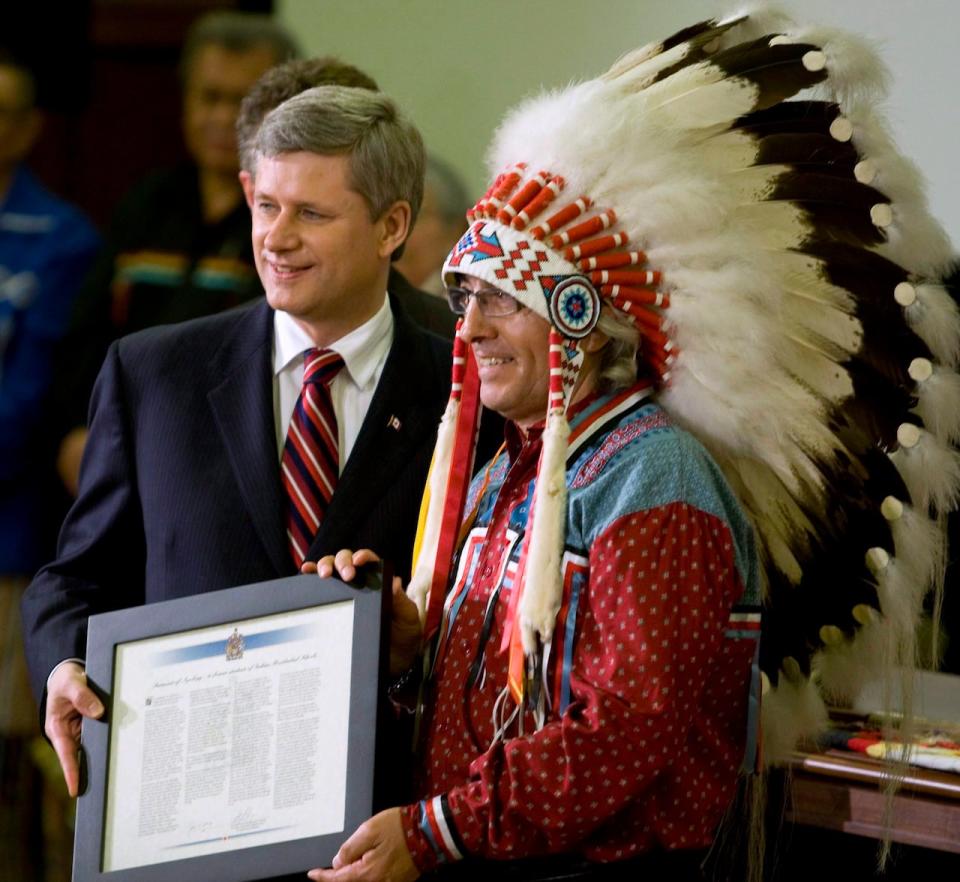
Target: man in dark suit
[[181, 489]]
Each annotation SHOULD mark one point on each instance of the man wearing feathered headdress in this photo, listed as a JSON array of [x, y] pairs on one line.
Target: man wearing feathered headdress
[[591, 603], [626, 733]]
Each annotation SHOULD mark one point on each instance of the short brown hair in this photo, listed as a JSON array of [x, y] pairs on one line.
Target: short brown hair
[[283, 82]]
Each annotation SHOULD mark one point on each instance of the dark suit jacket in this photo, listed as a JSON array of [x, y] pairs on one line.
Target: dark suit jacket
[[180, 490]]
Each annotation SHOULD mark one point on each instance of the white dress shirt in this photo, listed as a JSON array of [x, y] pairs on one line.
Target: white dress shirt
[[364, 352]]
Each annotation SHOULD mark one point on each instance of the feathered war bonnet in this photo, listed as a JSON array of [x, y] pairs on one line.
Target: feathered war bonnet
[[776, 256]]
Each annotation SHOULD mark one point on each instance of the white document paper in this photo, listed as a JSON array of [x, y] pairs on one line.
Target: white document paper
[[229, 737]]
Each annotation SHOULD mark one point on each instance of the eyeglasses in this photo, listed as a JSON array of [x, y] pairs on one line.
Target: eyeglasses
[[491, 302]]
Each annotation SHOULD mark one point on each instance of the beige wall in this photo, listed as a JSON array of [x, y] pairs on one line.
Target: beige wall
[[457, 65]]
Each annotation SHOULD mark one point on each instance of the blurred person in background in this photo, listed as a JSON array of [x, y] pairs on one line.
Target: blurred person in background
[[179, 243], [439, 227], [46, 246]]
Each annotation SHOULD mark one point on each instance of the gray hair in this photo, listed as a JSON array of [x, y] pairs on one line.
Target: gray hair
[[237, 32], [386, 152], [618, 359]]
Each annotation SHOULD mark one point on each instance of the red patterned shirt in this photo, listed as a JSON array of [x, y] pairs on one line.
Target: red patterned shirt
[[647, 677]]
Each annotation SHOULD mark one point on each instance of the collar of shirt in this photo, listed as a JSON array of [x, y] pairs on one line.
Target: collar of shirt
[[517, 439], [364, 352]]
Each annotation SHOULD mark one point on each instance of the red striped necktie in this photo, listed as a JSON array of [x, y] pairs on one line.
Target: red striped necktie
[[311, 464]]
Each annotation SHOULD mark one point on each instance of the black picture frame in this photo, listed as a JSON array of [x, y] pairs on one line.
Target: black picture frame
[[368, 653]]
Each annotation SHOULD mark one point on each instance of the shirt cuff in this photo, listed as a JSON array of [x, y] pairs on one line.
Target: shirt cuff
[[57, 667], [431, 834]]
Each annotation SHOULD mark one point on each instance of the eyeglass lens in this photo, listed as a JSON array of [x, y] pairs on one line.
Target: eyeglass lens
[[490, 301]]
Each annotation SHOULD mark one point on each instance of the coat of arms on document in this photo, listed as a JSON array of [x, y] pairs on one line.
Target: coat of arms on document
[[235, 646]]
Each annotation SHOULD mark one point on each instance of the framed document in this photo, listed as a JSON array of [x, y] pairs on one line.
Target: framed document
[[239, 737]]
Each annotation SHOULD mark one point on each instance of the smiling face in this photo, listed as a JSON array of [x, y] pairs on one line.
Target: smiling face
[[319, 255], [512, 354]]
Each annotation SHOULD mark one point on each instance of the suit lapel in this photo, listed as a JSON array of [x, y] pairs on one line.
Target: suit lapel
[[242, 404]]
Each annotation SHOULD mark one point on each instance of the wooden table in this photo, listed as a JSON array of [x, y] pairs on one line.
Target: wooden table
[[841, 791]]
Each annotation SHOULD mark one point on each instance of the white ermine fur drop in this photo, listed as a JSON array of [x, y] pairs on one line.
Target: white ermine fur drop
[[543, 590]]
